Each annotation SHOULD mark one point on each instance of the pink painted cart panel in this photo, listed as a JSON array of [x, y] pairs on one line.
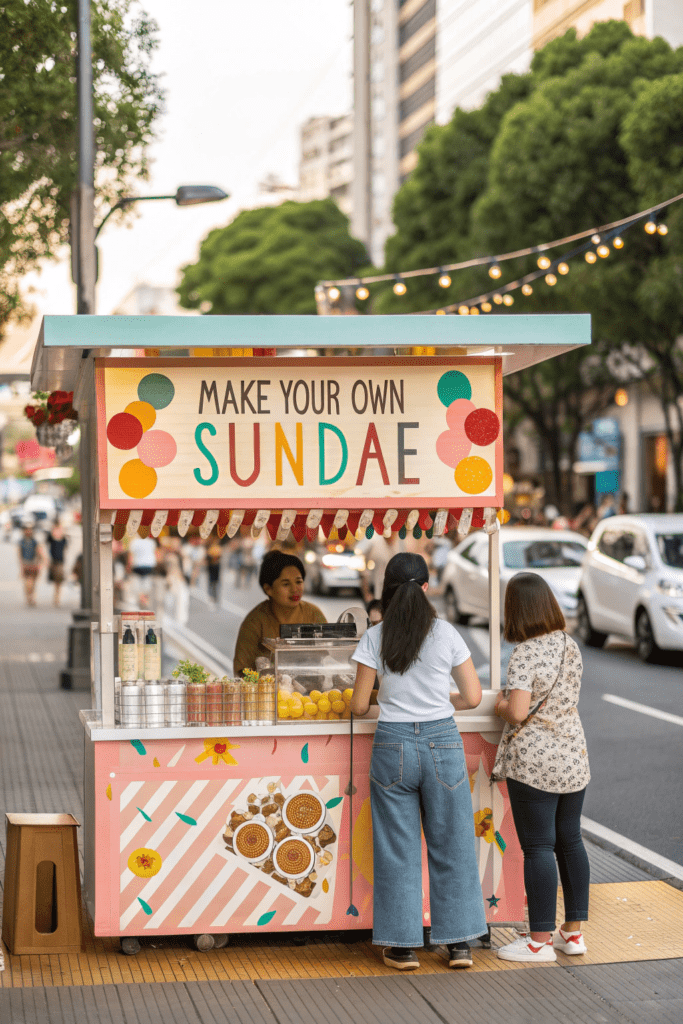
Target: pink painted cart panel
[[165, 865]]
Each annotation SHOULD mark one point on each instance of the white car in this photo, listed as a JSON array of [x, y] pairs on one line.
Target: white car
[[555, 555], [632, 583], [333, 568]]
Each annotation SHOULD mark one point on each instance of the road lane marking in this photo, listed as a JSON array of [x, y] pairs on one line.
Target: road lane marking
[[665, 716], [641, 852]]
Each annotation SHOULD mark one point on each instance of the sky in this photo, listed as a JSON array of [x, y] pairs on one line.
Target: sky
[[240, 79]]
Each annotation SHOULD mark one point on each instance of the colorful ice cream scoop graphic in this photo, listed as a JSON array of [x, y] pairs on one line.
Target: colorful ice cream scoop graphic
[[133, 428], [467, 426]]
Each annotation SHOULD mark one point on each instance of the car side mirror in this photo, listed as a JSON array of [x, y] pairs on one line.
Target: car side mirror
[[636, 562]]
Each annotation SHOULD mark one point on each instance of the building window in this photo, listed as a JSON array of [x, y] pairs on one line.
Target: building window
[[377, 35], [418, 59], [379, 108], [379, 184], [421, 96], [424, 15], [378, 146], [633, 9], [377, 71]]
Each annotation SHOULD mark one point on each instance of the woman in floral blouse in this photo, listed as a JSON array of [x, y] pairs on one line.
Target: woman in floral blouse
[[542, 756]]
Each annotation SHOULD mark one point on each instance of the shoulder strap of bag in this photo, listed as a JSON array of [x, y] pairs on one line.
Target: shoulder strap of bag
[[542, 701]]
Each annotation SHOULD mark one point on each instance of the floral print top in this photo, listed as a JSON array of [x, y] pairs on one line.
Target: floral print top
[[549, 752]]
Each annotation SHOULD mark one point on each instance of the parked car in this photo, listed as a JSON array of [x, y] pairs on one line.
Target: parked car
[[42, 509], [632, 583], [555, 555], [333, 567]]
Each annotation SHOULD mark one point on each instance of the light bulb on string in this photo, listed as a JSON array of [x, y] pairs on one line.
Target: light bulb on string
[[498, 299], [650, 226], [603, 251], [333, 294], [595, 239], [563, 268], [550, 279], [441, 312], [662, 229], [486, 307], [508, 300], [362, 293], [543, 262], [444, 280], [590, 256], [474, 311], [463, 310], [618, 242], [495, 271], [399, 287], [527, 289]]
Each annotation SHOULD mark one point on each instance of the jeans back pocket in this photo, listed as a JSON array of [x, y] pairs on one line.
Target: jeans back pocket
[[386, 765], [449, 763]]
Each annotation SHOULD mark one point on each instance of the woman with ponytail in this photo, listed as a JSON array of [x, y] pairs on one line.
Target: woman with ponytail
[[418, 775]]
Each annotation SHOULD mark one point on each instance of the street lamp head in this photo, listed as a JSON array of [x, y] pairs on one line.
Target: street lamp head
[[193, 195]]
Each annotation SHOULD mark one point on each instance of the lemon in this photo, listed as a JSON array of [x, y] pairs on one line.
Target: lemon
[[284, 694], [321, 715], [333, 714], [347, 695], [294, 702], [297, 711], [347, 713], [315, 695], [324, 704], [339, 706], [282, 711], [333, 695]]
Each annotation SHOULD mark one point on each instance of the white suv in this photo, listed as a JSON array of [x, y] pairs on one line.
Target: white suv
[[632, 583]]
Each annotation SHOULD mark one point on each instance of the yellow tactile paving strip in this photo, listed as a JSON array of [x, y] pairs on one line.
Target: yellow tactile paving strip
[[629, 921]]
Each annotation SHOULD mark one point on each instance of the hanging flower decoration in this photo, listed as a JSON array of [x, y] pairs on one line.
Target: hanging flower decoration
[[51, 408], [144, 863]]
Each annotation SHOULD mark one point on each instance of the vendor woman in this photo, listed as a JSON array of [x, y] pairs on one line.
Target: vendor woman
[[282, 580]]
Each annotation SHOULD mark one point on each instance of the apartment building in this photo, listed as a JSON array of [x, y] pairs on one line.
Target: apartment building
[[649, 18], [326, 164]]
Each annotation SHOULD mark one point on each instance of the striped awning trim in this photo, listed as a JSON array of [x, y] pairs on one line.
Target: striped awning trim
[[303, 524]]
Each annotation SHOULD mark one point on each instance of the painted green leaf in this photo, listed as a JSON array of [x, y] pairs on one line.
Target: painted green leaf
[[186, 818], [266, 918], [145, 816], [334, 801], [502, 845], [304, 753], [139, 747], [145, 906]]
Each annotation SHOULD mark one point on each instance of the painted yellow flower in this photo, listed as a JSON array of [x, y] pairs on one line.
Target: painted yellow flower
[[483, 824], [144, 863], [217, 750]]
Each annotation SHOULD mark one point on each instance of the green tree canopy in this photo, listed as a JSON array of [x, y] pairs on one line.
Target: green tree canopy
[[38, 127], [269, 260], [591, 134]]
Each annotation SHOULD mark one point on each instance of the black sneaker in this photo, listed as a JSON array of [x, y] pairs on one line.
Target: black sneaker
[[401, 959], [459, 957]]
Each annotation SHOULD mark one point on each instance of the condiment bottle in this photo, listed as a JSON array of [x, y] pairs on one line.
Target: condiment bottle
[[266, 698], [250, 711], [152, 665], [196, 703], [232, 702], [214, 702], [129, 656]]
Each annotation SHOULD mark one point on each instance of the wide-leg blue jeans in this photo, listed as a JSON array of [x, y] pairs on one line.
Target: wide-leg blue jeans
[[418, 776]]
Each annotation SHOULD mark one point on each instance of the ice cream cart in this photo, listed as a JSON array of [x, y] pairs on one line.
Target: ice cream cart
[[280, 424]]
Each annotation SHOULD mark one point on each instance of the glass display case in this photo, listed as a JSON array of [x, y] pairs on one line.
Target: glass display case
[[314, 676]]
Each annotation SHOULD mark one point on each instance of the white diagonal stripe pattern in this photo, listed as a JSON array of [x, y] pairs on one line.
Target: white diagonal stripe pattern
[[234, 902], [138, 821], [129, 792]]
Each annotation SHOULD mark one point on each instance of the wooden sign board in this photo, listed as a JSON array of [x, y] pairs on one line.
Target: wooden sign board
[[276, 433]]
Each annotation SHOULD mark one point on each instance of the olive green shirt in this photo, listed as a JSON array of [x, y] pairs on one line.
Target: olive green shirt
[[260, 623]]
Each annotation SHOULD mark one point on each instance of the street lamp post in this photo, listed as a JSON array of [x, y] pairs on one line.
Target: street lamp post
[[84, 263]]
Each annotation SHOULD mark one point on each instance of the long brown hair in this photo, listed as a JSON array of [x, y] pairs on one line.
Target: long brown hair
[[531, 608], [408, 615]]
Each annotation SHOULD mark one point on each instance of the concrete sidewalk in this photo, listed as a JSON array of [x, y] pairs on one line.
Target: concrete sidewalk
[[632, 973]]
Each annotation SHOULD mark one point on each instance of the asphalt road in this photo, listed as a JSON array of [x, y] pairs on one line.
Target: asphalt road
[[636, 759]]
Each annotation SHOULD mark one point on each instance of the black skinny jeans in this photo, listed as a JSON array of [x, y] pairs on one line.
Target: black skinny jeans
[[549, 826]]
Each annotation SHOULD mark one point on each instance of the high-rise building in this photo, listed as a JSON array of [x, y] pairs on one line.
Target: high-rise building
[[325, 167], [415, 61]]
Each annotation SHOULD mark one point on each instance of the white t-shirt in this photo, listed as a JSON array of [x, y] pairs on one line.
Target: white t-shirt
[[422, 694]]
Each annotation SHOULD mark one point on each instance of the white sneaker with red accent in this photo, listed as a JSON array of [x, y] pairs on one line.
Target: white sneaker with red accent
[[525, 950], [571, 943]]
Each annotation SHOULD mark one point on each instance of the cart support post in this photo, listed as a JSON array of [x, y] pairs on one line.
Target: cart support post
[[494, 608], [106, 622]]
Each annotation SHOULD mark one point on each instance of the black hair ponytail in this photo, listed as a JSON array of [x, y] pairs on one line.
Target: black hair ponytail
[[408, 615]]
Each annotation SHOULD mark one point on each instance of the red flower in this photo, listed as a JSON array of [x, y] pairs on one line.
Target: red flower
[[39, 417], [57, 398], [30, 411]]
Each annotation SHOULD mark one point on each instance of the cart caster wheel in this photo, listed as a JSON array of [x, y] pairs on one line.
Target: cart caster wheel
[[130, 945], [204, 942], [486, 939], [220, 941], [427, 939], [300, 940]]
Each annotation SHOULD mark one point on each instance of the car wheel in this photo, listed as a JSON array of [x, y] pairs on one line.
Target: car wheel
[[453, 613], [646, 645], [584, 631]]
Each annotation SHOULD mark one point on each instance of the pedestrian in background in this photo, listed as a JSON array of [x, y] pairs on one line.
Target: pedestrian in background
[[418, 774], [31, 561], [56, 544], [542, 756], [213, 568]]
